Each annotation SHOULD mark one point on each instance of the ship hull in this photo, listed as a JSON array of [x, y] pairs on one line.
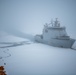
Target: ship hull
[[65, 43]]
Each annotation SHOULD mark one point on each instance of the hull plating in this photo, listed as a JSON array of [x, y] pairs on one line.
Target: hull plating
[[65, 43]]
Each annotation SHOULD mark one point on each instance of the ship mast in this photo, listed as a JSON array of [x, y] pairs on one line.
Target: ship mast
[[56, 23]]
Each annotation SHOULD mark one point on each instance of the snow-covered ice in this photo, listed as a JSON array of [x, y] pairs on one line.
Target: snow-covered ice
[[36, 58], [24, 57]]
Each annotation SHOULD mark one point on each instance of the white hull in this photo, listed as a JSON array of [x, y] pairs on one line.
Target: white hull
[[65, 43]]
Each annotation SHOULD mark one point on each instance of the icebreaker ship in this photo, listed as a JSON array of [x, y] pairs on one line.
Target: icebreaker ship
[[55, 35]]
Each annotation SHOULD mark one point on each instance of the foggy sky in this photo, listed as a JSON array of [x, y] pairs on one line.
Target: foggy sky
[[30, 15]]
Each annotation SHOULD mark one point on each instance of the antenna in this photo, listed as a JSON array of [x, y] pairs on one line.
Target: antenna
[[56, 19]]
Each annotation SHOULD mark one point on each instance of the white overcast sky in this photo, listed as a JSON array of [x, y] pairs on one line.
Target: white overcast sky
[[31, 15]]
